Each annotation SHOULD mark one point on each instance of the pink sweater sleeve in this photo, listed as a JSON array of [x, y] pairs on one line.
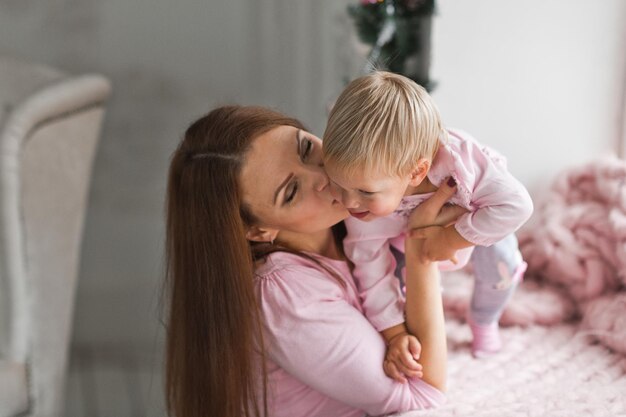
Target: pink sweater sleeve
[[319, 337], [367, 246], [500, 203]]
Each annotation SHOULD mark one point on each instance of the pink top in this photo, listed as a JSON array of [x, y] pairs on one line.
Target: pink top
[[324, 357], [498, 203]]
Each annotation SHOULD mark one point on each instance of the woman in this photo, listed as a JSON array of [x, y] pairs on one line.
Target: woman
[[264, 316]]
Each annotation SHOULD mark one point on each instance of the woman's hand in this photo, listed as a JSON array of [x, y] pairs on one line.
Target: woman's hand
[[435, 211], [403, 351], [431, 221], [436, 246]]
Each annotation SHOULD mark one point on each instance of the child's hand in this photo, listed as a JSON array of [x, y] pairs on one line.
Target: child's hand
[[436, 245], [403, 351]]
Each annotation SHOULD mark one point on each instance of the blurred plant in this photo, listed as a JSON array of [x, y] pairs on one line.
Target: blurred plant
[[398, 32]]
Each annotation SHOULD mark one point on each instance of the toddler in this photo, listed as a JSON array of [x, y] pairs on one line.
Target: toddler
[[386, 151]]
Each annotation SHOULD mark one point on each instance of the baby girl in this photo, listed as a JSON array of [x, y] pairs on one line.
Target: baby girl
[[386, 151]]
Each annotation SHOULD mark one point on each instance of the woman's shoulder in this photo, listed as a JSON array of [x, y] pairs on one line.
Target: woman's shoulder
[[288, 277], [281, 263], [285, 264]]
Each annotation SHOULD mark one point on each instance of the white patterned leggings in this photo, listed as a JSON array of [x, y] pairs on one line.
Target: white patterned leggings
[[498, 269]]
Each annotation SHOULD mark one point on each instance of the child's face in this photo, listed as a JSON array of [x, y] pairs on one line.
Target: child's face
[[367, 196]]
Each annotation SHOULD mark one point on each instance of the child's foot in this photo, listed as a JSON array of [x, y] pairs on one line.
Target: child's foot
[[486, 340]]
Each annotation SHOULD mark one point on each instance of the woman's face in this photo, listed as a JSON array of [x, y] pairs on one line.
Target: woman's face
[[284, 183]]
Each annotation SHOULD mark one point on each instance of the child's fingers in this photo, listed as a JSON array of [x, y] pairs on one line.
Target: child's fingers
[[454, 260], [426, 255], [417, 233], [392, 372], [415, 348], [409, 362], [423, 232], [413, 371]]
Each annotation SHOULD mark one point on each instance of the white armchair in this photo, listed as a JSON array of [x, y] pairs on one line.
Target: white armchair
[[49, 128]]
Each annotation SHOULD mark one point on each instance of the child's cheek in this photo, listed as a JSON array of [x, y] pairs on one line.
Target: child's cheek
[[380, 208]]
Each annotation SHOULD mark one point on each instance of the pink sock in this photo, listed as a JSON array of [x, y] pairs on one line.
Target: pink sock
[[486, 340]]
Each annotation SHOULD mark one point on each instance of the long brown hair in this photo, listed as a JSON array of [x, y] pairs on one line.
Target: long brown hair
[[214, 326]]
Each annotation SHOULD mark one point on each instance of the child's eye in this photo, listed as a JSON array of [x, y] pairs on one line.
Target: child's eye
[[366, 192]]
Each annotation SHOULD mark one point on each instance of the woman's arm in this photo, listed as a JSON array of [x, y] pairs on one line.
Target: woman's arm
[[424, 307], [316, 335], [424, 315]]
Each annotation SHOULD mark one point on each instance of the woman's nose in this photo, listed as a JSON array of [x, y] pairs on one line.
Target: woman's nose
[[335, 191], [321, 180], [348, 200], [342, 195]]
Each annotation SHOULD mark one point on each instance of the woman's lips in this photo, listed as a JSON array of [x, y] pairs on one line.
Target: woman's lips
[[359, 215]]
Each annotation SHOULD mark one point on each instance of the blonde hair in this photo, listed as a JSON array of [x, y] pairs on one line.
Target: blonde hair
[[382, 122]]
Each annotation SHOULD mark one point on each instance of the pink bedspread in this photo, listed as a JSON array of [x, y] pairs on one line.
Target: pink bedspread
[[575, 246], [542, 371]]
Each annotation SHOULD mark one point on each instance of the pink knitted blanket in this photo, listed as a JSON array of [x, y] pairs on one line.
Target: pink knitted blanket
[[542, 371], [575, 246]]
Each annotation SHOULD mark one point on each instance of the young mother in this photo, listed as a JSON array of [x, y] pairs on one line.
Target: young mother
[[264, 316]]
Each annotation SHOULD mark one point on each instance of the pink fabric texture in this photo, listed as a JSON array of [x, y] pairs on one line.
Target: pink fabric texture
[[554, 371], [324, 357], [605, 319], [532, 303], [498, 204], [579, 239], [575, 246]]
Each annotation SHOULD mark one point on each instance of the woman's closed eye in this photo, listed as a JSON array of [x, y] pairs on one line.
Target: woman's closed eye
[[307, 146], [290, 192]]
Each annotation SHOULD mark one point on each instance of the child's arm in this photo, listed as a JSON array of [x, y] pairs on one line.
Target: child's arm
[[393, 331], [499, 203]]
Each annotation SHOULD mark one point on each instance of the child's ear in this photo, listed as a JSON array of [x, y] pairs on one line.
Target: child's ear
[[261, 234], [419, 172]]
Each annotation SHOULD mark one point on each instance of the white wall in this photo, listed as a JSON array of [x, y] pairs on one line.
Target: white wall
[[540, 80]]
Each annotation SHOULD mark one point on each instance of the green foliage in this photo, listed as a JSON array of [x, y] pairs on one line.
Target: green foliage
[[398, 32]]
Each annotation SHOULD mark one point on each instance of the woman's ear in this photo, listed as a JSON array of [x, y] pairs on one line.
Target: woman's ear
[[261, 234], [419, 172]]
